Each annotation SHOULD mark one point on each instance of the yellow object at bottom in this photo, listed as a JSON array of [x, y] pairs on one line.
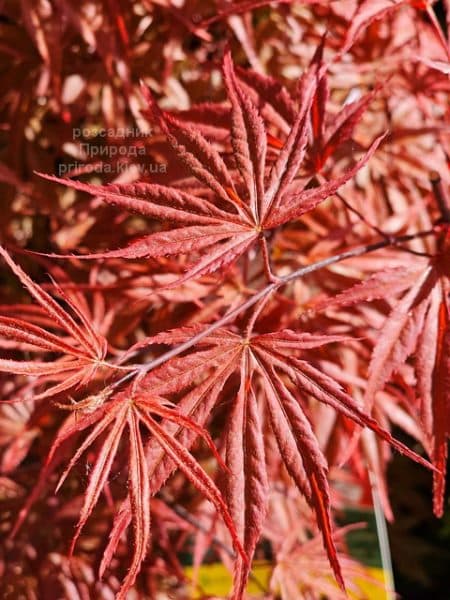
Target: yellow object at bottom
[[215, 580]]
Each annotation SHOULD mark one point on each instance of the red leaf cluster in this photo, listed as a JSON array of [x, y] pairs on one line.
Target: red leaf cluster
[[254, 293]]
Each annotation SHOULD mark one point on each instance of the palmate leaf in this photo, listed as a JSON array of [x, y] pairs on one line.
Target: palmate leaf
[[418, 325], [310, 381], [82, 348], [198, 405], [265, 364], [329, 131], [237, 205], [133, 412]]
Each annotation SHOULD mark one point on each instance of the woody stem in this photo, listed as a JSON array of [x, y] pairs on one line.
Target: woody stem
[[270, 287]]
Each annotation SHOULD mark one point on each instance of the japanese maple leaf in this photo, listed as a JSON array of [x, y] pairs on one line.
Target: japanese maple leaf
[[107, 417], [417, 326], [81, 349], [246, 202], [265, 364], [328, 131]]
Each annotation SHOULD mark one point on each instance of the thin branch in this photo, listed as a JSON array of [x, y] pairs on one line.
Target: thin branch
[[379, 231], [271, 278], [255, 315], [301, 272]]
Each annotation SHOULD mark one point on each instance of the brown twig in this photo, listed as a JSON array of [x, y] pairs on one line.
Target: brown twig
[[231, 315]]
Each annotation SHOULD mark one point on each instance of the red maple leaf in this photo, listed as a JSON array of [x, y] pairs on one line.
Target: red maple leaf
[[233, 213]]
